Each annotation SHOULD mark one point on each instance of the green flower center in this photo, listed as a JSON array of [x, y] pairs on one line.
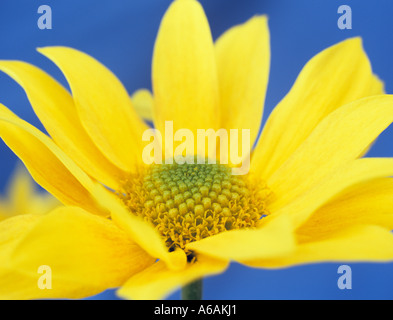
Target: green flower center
[[189, 202]]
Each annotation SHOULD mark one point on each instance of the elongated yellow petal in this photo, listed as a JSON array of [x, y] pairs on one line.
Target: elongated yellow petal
[[144, 234], [243, 63], [334, 77], [355, 172], [158, 281], [15, 229], [86, 254], [143, 102], [341, 137], [103, 105], [369, 202], [59, 175], [184, 70], [55, 108], [48, 165], [356, 244], [273, 238]]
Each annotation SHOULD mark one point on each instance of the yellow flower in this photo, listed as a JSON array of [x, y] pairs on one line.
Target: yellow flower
[[318, 200], [24, 198]]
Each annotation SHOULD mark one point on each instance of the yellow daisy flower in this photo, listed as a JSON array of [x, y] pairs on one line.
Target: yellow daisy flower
[[318, 200], [23, 197]]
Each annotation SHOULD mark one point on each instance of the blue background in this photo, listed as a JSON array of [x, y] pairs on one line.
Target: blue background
[[121, 35]]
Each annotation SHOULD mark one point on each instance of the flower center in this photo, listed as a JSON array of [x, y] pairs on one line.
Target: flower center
[[189, 202]]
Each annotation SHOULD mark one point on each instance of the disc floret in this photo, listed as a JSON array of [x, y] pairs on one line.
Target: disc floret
[[189, 202]]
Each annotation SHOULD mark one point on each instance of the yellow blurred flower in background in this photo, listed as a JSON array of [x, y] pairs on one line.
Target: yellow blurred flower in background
[[24, 197]]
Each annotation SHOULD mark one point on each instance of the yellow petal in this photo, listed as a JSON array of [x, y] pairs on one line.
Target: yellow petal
[[356, 244], [143, 233], [184, 71], [103, 105], [369, 202], [158, 281], [243, 63], [355, 172], [143, 103], [59, 175], [14, 229], [341, 137], [86, 254], [334, 77], [48, 165], [273, 238], [55, 108]]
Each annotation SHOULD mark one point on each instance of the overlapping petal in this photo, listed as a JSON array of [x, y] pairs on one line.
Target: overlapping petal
[[355, 244], [272, 239], [341, 137], [103, 105], [355, 172], [243, 63], [158, 281], [85, 253], [48, 164], [333, 78], [144, 234], [56, 109], [184, 72], [370, 202]]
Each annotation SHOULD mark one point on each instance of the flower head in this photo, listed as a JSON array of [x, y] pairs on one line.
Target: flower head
[[189, 202], [307, 198]]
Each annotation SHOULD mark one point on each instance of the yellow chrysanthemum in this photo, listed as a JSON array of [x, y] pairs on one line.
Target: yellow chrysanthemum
[[318, 200], [23, 197]]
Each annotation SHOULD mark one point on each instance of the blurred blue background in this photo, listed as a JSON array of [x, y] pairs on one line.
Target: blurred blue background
[[121, 35]]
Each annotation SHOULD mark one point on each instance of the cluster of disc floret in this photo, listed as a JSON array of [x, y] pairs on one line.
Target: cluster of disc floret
[[189, 202]]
